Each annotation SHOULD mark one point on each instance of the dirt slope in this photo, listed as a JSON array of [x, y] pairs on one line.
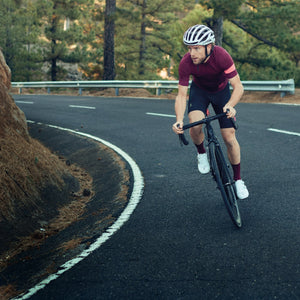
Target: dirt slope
[[28, 171]]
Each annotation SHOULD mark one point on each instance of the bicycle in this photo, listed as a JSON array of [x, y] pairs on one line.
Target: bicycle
[[219, 166]]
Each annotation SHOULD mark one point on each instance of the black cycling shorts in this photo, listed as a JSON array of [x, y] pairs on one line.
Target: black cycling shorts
[[200, 99]]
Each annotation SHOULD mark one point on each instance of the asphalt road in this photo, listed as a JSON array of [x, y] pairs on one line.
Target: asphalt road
[[180, 243]]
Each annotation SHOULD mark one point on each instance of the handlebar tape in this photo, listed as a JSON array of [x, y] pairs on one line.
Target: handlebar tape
[[183, 139]]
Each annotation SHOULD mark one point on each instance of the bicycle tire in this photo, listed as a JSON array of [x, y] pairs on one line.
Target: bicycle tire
[[225, 183]]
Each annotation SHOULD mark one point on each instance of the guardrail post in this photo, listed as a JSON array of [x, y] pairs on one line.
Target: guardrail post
[[80, 91], [117, 91], [48, 90], [20, 90]]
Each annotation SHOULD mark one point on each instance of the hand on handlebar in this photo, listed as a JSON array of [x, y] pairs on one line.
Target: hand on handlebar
[[177, 127], [231, 112]]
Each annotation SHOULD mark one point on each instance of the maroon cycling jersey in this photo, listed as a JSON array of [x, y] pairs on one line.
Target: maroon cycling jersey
[[211, 76]]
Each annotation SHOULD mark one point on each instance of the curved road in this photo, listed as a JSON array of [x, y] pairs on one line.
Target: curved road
[[180, 243]]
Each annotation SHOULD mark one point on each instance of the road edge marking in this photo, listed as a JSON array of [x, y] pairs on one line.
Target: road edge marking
[[137, 192]]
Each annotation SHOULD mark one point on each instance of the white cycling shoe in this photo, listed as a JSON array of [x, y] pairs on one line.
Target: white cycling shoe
[[203, 164], [241, 189]]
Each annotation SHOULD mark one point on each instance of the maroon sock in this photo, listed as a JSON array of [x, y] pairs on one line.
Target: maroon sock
[[236, 172], [200, 148]]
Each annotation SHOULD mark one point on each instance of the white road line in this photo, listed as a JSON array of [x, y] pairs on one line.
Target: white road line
[[137, 192], [291, 104], [284, 131], [24, 102], [80, 106], [160, 115]]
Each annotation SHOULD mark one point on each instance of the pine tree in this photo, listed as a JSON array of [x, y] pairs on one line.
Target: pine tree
[[274, 23], [19, 33], [64, 34], [143, 44]]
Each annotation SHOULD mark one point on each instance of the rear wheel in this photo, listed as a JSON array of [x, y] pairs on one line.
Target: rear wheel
[[225, 183]]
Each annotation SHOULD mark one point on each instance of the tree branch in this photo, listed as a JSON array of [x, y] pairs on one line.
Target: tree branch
[[267, 42]]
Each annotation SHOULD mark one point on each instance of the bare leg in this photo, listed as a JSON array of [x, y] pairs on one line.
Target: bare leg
[[233, 147], [196, 132]]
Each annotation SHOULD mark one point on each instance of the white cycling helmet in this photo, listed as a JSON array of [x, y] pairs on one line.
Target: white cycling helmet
[[198, 35]]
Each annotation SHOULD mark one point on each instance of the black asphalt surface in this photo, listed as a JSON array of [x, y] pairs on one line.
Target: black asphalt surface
[[180, 243]]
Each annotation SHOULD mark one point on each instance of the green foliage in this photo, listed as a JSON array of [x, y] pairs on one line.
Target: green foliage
[[223, 8], [18, 38], [64, 34], [255, 60], [143, 43], [91, 64], [272, 28], [261, 35]]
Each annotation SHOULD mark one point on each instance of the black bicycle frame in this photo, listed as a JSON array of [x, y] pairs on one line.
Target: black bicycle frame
[[211, 138], [206, 121], [219, 166]]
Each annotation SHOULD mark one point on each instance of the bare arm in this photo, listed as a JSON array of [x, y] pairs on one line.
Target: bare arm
[[180, 105], [236, 95]]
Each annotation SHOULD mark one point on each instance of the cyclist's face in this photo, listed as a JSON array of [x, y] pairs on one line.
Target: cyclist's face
[[197, 53]]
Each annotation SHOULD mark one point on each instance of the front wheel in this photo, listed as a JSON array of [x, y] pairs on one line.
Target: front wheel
[[225, 183]]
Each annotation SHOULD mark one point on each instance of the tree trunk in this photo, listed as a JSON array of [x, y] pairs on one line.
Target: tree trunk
[[143, 40], [53, 69], [53, 29], [217, 27], [109, 40]]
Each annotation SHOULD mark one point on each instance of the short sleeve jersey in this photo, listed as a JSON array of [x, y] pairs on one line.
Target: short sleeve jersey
[[211, 76]]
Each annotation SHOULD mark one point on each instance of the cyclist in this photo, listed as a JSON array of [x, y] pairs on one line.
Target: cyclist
[[212, 69]]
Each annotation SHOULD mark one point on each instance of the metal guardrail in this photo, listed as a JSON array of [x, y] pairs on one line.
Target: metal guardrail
[[283, 86]]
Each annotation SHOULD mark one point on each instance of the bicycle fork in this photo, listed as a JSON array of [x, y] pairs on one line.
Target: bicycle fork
[[211, 139]]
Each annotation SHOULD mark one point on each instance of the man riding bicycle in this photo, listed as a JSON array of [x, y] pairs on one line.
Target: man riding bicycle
[[212, 69]]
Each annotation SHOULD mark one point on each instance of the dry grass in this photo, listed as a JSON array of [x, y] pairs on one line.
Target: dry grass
[[67, 214], [26, 167], [271, 97], [8, 291]]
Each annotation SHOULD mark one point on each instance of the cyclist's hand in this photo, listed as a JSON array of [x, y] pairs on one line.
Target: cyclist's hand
[[231, 113], [177, 127]]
